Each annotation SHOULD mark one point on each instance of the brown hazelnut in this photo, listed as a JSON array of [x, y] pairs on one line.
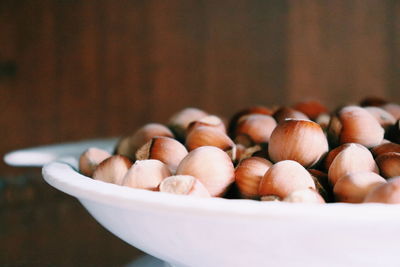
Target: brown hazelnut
[[384, 148], [389, 164], [165, 149], [384, 118], [209, 121], [284, 178], [330, 156], [208, 136], [393, 109], [257, 127], [354, 158], [385, 193], [248, 175], [353, 187], [146, 174], [285, 113], [299, 140], [90, 159], [247, 111], [355, 125], [311, 108], [180, 121], [112, 169], [212, 166], [127, 146], [323, 120]]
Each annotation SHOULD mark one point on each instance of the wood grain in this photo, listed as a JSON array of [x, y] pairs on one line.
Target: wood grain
[[338, 50], [71, 70], [89, 69]]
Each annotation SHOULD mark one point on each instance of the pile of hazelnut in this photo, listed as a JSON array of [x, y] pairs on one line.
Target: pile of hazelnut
[[302, 153]]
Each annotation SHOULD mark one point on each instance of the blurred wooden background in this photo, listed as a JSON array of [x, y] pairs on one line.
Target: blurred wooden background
[[72, 70]]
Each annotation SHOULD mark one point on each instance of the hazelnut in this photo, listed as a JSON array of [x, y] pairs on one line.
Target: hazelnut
[[285, 113], [248, 175], [354, 158], [208, 136], [355, 125], [209, 121], [257, 127], [212, 166], [384, 118], [165, 149], [112, 169], [389, 164], [247, 111], [180, 121], [393, 109], [385, 193], [353, 187], [304, 196], [127, 146], [146, 174], [183, 185], [384, 148], [311, 108], [89, 160], [330, 156], [323, 120], [284, 178], [299, 140]]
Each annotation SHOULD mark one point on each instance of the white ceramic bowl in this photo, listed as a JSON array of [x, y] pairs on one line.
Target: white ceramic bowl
[[189, 231]]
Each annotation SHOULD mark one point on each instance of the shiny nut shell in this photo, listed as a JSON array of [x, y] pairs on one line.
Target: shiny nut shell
[[164, 149], [248, 175], [212, 166], [284, 113], [386, 193], [257, 126], [180, 121], [112, 169], [384, 148], [389, 164], [208, 136], [311, 108], [299, 140], [90, 159], [359, 126], [384, 118], [251, 110], [146, 174], [354, 158], [353, 187], [284, 178], [128, 146]]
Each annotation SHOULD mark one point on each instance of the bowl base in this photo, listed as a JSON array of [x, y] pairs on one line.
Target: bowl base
[[149, 261]]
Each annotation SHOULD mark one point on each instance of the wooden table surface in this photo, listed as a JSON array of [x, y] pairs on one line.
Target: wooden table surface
[[41, 226]]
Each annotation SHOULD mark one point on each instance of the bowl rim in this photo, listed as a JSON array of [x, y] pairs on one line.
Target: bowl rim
[[63, 176]]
